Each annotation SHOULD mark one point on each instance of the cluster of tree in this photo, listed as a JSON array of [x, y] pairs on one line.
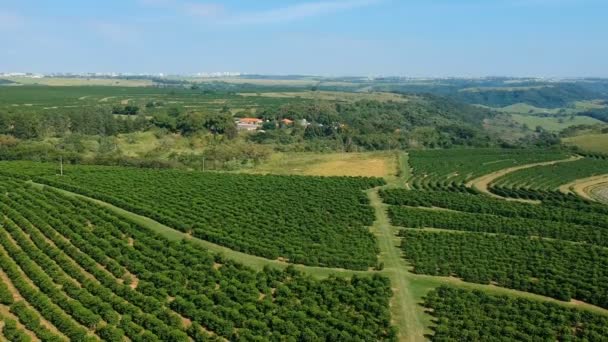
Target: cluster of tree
[[59, 123], [600, 114], [127, 110], [309, 220], [189, 122], [85, 252], [548, 96], [423, 121], [465, 315], [224, 156], [421, 218], [559, 269]]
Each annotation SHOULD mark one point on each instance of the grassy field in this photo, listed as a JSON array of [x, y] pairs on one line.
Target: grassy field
[[554, 124], [331, 96], [589, 142], [577, 107], [373, 164], [70, 82]]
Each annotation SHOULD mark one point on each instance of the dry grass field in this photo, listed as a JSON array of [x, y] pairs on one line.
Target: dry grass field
[[590, 142], [373, 164]]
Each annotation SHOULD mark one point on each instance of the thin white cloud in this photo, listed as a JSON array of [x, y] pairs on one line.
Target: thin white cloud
[[204, 10], [299, 11], [219, 14]]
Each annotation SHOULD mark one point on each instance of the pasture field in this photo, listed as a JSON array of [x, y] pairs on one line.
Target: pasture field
[[575, 108], [595, 143], [332, 96], [554, 124], [548, 178], [368, 164], [453, 168], [72, 270], [64, 98], [304, 220], [73, 82]]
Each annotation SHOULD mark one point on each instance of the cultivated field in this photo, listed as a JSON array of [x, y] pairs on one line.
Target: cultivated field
[[331, 96], [453, 168], [136, 263], [72, 270], [548, 178], [303, 220]]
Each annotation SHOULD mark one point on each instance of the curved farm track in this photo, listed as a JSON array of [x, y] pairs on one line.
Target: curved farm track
[[592, 188], [482, 183], [600, 192]]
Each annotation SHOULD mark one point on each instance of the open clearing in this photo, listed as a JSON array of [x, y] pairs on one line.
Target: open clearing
[[590, 142], [554, 124], [600, 192], [584, 187], [373, 164], [69, 82]]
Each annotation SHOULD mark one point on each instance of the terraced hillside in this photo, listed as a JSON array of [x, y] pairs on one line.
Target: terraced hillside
[[72, 270], [453, 168], [548, 179]]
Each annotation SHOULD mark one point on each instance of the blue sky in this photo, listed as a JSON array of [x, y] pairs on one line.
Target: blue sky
[[333, 37]]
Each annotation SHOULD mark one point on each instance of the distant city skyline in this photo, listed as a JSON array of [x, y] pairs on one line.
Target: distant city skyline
[[415, 38]]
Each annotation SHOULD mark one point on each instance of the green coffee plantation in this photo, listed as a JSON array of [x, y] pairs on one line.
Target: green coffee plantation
[[468, 266], [303, 220], [546, 180], [464, 315], [453, 168], [556, 247], [72, 270]]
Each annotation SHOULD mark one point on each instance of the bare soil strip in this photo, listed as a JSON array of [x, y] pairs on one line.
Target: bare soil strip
[[584, 187], [600, 192]]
